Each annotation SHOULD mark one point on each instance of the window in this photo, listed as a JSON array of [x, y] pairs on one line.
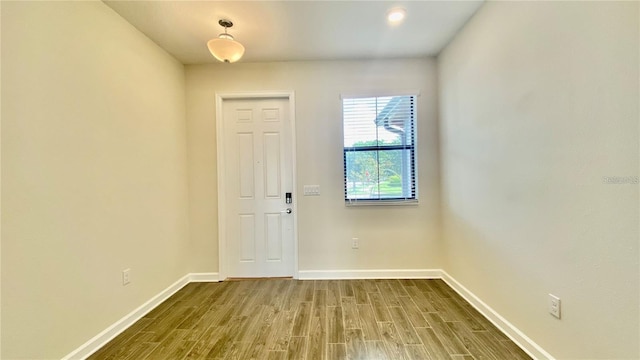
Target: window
[[379, 149]]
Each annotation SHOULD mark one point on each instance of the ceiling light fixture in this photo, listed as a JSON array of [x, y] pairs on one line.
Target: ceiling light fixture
[[396, 15], [224, 47]]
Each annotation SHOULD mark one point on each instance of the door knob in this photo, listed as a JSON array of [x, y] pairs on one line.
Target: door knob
[[287, 210]]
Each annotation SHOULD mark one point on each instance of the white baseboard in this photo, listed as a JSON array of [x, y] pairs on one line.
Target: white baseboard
[[98, 341], [370, 274], [204, 277], [525, 343]]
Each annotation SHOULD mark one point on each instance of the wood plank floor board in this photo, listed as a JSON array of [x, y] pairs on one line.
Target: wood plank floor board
[[448, 338], [233, 292], [335, 324], [127, 348], [345, 288], [290, 301], [406, 331], [301, 322], [223, 344], [514, 350], [496, 348], [278, 296], [368, 323], [380, 309], [360, 292], [130, 335], [204, 344], [302, 291], [223, 315], [317, 348], [167, 324], [337, 351], [333, 293], [420, 299], [459, 313], [432, 344], [437, 304], [388, 293], [377, 350], [251, 325], [416, 352], [321, 284], [486, 324], [369, 286], [273, 319], [467, 338], [422, 285], [257, 348], [393, 343], [406, 282], [276, 355], [278, 339], [442, 289], [297, 348], [399, 288], [356, 348], [413, 313], [350, 313], [320, 303], [142, 351], [191, 320], [201, 327], [172, 346], [167, 305], [462, 357]]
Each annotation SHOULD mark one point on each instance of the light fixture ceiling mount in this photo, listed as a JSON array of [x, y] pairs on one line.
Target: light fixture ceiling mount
[[224, 47], [225, 24], [396, 15]]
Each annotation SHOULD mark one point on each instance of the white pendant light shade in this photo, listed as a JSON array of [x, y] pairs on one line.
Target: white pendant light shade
[[225, 48]]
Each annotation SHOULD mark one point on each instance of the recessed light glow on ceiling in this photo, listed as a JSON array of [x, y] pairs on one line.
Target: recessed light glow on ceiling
[[396, 15]]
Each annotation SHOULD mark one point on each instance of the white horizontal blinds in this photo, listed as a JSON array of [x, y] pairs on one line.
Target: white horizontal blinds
[[379, 154]]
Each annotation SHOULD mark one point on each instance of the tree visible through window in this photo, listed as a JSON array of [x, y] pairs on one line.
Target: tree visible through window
[[379, 148]]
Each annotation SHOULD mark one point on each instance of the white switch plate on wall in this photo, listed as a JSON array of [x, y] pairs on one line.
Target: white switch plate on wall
[[554, 305], [126, 276], [311, 190]]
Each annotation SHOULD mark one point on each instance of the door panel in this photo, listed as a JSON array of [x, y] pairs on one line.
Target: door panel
[[245, 165], [272, 165], [257, 174], [247, 237], [273, 231]]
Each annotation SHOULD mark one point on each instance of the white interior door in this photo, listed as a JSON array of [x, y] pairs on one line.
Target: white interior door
[[257, 175]]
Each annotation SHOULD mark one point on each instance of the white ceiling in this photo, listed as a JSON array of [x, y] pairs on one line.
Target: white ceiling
[[299, 30]]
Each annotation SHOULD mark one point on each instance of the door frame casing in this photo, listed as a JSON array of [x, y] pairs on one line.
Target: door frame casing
[[220, 156]]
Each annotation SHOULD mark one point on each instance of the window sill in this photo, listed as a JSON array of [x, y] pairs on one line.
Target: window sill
[[355, 203]]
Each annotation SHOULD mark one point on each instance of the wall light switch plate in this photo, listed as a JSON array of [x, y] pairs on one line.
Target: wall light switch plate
[[554, 305], [126, 276], [311, 190]]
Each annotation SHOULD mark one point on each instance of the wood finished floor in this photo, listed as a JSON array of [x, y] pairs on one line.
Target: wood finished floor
[[289, 319]]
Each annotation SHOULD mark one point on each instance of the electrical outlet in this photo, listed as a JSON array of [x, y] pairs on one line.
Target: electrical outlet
[[355, 243], [126, 276], [554, 305]]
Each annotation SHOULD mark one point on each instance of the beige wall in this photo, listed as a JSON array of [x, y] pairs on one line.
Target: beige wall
[[539, 102], [0, 188], [94, 174], [404, 237]]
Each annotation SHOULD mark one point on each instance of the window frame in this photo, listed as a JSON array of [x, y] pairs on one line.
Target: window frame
[[411, 147]]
